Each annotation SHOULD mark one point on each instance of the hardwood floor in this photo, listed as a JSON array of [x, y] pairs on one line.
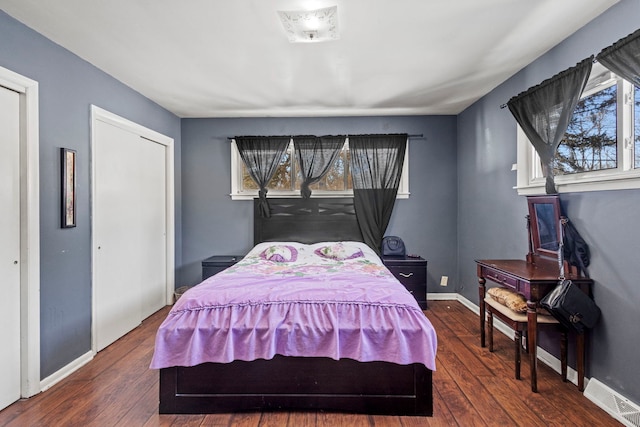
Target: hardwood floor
[[472, 387]]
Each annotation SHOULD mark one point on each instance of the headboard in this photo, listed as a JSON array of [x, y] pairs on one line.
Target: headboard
[[306, 220]]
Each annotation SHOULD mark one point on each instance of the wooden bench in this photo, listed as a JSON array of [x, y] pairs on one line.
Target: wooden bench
[[518, 322]]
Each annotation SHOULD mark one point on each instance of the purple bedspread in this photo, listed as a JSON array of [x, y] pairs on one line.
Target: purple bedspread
[[351, 308]]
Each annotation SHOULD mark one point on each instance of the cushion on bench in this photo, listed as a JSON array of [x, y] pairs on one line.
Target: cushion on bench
[[543, 315]]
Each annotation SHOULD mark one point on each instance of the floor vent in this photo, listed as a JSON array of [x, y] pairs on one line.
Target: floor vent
[[621, 408]]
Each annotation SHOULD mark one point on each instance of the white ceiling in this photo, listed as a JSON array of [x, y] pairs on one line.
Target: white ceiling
[[215, 58]]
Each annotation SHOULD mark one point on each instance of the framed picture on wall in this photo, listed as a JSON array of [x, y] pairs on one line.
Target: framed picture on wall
[[68, 187]]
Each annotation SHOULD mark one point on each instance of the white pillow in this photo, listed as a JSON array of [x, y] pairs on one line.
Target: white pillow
[[339, 251], [280, 253]]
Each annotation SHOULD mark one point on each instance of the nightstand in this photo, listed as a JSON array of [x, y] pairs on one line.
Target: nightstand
[[217, 263], [412, 273]]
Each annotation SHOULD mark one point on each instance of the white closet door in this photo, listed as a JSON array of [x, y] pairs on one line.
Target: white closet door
[[9, 247], [117, 276], [129, 230], [153, 226]]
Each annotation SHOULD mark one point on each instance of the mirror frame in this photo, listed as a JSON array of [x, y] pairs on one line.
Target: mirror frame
[[535, 245]]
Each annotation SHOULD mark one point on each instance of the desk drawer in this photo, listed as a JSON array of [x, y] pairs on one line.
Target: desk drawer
[[502, 279]]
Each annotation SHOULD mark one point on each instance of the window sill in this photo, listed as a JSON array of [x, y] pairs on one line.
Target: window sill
[[596, 182], [296, 195]]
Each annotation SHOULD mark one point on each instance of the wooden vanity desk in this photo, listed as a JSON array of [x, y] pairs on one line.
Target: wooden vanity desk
[[533, 281], [535, 276]]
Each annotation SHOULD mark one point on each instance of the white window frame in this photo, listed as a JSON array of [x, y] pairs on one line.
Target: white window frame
[[236, 180], [529, 171]]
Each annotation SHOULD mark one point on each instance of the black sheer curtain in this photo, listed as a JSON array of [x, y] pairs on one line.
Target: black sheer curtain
[[315, 156], [262, 155], [376, 169], [544, 112], [623, 58]]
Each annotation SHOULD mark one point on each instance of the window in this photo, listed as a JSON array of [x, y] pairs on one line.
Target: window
[[636, 115], [601, 148], [287, 179], [591, 140]]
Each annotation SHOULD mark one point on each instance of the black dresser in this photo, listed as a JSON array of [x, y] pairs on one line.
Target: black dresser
[[217, 263], [412, 273]]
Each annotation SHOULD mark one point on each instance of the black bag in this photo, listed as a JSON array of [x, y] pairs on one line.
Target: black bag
[[393, 246], [576, 250], [571, 307]]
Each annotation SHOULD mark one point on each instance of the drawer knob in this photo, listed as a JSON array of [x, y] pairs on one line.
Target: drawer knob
[[406, 274]]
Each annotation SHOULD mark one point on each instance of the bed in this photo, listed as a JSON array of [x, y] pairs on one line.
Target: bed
[[287, 329]]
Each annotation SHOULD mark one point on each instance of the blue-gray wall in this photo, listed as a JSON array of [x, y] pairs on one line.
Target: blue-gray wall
[[68, 86], [213, 224], [491, 215]]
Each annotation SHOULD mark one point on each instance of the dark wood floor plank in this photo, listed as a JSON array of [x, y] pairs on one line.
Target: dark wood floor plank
[[29, 411], [56, 401], [127, 399], [143, 409], [516, 405], [439, 326], [274, 419], [465, 321], [471, 386], [458, 404], [217, 420], [303, 419], [350, 420], [386, 421], [441, 373], [500, 362], [474, 363], [451, 322], [115, 352], [537, 402], [251, 419], [158, 420], [563, 396], [550, 411], [113, 394], [188, 421], [442, 416], [474, 390]]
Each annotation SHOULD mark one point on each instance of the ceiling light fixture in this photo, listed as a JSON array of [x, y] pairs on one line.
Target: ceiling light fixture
[[305, 26]]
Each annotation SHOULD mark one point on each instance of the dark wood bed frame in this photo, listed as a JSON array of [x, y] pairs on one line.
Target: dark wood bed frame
[[300, 383]]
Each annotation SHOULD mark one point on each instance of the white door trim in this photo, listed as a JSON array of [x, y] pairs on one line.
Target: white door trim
[[30, 229], [98, 113]]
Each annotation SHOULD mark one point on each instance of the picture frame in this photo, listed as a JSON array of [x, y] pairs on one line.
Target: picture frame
[[68, 169]]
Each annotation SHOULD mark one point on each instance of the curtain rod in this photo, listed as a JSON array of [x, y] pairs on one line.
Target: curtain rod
[[415, 135], [593, 61]]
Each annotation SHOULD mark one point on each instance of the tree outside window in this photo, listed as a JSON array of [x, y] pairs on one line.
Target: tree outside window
[[590, 142], [288, 177]]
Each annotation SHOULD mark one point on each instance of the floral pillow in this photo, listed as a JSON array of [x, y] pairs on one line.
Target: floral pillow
[[339, 251], [280, 253]]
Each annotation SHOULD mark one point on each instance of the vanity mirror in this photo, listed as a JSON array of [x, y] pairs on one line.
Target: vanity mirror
[[544, 226]]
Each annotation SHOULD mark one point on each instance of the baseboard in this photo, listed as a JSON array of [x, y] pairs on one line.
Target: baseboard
[[442, 296], [67, 370]]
